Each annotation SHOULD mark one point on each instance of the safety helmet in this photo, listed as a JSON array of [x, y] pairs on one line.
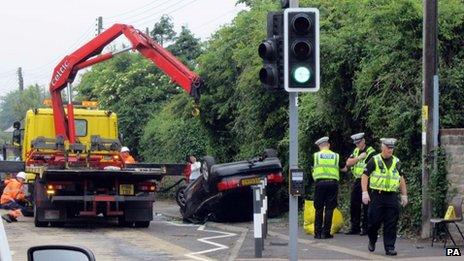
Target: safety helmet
[[125, 149], [21, 174]]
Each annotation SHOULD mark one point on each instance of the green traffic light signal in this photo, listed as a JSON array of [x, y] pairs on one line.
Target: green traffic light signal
[[301, 74], [301, 50]]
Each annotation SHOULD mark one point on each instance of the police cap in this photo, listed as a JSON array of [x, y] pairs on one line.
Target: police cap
[[321, 140], [357, 137], [389, 142]]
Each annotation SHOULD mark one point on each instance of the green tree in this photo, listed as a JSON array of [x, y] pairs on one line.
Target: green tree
[[14, 105], [163, 31], [186, 46], [173, 133], [241, 117]]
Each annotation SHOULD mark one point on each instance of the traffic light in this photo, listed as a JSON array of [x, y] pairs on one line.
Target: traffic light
[[271, 74], [301, 50]]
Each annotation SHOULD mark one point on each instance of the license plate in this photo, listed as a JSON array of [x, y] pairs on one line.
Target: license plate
[[126, 189], [250, 181]]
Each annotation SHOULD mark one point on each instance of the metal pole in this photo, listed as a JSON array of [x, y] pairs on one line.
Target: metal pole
[[293, 163], [257, 222], [265, 208], [69, 93], [429, 72]]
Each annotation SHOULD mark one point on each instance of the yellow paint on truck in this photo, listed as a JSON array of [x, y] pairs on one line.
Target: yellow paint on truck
[[39, 122]]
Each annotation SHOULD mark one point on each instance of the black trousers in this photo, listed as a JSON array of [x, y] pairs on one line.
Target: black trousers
[[325, 196], [384, 209], [357, 207]]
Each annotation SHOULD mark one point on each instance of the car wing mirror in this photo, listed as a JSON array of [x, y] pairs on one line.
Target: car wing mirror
[[59, 252]]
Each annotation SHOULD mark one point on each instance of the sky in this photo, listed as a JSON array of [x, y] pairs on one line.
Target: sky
[[36, 35]]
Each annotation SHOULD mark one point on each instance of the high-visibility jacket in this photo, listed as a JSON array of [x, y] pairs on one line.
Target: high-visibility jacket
[[326, 165], [128, 159], [13, 191], [358, 169], [383, 178]]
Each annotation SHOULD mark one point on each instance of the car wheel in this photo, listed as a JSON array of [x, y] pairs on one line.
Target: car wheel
[[270, 153], [208, 162], [180, 196]]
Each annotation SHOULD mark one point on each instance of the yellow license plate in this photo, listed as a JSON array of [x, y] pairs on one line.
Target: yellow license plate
[[250, 181], [126, 189]]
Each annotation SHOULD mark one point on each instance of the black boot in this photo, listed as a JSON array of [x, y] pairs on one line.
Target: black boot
[[7, 218], [327, 236], [390, 252], [371, 246]]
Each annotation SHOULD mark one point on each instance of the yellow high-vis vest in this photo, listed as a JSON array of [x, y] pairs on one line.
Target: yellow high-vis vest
[[382, 178], [326, 165], [358, 169]]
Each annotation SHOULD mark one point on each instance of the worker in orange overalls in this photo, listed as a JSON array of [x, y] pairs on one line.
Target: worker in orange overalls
[[12, 197], [126, 157]]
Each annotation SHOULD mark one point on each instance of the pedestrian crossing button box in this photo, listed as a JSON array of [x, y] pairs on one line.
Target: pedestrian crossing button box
[[296, 182]]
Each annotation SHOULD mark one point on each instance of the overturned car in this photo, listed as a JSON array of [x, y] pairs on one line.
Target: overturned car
[[223, 192]]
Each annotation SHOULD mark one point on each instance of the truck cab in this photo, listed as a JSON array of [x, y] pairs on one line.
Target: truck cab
[[88, 122]]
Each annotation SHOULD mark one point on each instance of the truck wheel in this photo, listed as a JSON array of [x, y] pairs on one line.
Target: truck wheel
[[141, 223], [208, 162], [37, 222], [180, 196], [122, 222]]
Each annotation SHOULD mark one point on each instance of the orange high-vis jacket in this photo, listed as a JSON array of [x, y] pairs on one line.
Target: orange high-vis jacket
[[129, 159], [13, 191]]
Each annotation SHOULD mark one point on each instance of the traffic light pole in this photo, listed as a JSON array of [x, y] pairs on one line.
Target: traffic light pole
[[293, 163]]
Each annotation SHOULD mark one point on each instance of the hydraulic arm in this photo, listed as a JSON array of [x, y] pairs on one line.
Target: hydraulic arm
[[89, 54]]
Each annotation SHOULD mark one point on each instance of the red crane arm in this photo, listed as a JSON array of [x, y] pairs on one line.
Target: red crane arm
[[89, 54]]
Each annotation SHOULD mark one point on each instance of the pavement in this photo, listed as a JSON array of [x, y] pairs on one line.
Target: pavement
[[341, 247]]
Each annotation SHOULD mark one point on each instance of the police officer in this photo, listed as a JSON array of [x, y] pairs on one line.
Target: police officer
[[326, 169], [357, 161], [385, 180]]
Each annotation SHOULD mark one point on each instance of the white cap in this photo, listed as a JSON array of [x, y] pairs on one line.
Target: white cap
[[125, 149], [321, 140], [389, 142], [21, 174], [357, 137]]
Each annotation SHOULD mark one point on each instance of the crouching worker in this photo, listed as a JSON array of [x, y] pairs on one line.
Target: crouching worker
[[126, 157], [13, 198]]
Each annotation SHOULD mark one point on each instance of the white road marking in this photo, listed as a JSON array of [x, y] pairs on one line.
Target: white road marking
[[206, 240]]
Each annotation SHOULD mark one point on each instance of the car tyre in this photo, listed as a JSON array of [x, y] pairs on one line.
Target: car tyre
[[208, 162], [180, 196]]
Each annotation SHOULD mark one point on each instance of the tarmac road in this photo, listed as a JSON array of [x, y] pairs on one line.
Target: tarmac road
[[168, 238], [165, 239]]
